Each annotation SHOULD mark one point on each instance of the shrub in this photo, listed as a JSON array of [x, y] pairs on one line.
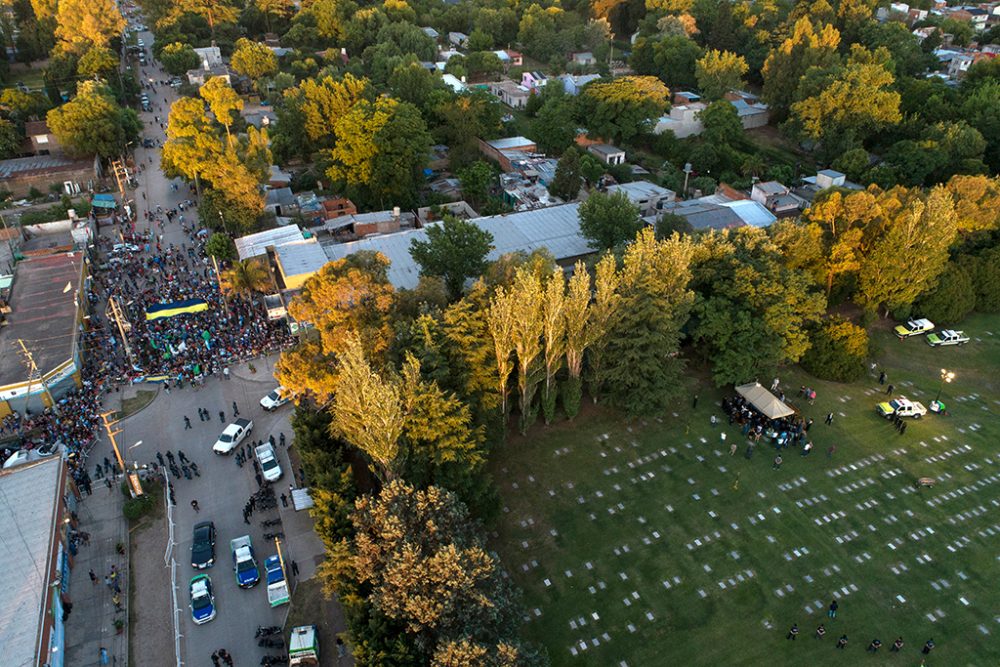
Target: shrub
[[838, 352], [135, 508], [952, 299]]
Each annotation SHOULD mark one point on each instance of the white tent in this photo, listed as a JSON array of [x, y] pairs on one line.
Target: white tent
[[763, 400]]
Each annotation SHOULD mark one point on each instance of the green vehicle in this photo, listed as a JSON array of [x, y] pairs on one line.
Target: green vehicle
[[303, 647]]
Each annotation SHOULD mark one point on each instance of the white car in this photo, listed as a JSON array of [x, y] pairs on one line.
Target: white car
[[947, 337], [119, 248], [233, 436], [274, 400], [269, 466], [913, 328]]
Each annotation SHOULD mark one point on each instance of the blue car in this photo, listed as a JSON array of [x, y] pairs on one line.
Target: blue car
[[244, 563], [202, 600]]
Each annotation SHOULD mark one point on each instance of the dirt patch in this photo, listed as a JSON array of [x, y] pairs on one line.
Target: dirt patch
[[310, 607], [134, 404]]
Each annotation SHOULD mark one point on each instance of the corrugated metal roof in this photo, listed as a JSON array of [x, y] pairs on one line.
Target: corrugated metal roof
[[640, 190], [510, 143], [751, 212], [254, 245], [300, 257], [556, 228], [21, 165], [28, 504]]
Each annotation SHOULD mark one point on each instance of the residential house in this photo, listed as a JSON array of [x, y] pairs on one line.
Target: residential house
[[649, 197], [752, 112], [583, 58], [573, 84], [338, 207], [494, 149], [825, 179], [524, 193], [297, 262], [431, 32], [18, 175], [376, 222], [686, 97], [534, 80], [198, 77], [459, 209], [210, 56], [280, 202], [278, 178], [718, 213], [448, 187], [776, 198], [458, 39], [516, 58], [42, 141], [510, 93], [683, 120], [606, 153]]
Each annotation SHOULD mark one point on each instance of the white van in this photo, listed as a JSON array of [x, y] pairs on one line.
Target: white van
[[269, 466]]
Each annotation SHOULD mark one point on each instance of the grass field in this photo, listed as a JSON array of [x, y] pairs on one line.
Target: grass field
[[644, 543]]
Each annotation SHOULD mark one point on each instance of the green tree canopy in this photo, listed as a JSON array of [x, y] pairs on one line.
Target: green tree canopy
[[718, 72], [608, 221], [568, 179], [82, 24], [622, 108], [838, 351], [253, 60], [178, 58], [455, 250], [806, 47], [92, 122]]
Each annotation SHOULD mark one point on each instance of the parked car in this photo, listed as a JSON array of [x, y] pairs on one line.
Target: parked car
[[120, 248], [947, 337], [277, 586], [202, 600], [244, 564], [269, 466], [901, 407], [203, 545], [913, 328], [232, 436], [303, 647], [275, 399]]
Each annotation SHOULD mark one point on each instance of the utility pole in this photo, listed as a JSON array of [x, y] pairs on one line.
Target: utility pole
[[29, 361], [133, 478], [124, 326]]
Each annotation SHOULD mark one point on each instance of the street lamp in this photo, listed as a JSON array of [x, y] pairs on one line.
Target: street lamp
[[946, 376]]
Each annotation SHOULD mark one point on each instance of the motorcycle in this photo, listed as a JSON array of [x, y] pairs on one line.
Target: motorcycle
[[266, 630], [271, 522], [269, 660], [267, 642], [273, 536]]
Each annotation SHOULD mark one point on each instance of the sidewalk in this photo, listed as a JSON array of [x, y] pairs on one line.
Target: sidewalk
[[91, 624]]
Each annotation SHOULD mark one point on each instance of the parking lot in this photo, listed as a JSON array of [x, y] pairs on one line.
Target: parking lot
[[221, 491]]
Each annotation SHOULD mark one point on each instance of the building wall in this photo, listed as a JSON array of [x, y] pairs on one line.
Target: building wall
[[19, 186]]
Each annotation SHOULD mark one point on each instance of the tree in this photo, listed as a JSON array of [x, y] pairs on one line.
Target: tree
[[253, 60], [500, 325], [350, 295], [483, 65], [92, 122], [97, 62], [192, 145], [643, 370], [10, 139], [526, 311], [311, 110], [367, 409], [221, 247], [671, 58], [555, 123], [603, 317], [412, 82], [554, 335], [178, 58], [427, 566], [568, 179], [576, 314], [622, 108], [477, 179], [981, 109], [723, 128], [910, 249], [222, 100], [985, 271], [752, 311], [838, 351], [214, 12], [608, 221], [82, 24], [461, 120], [670, 224], [718, 72], [246, 278], [951, 299], [381, 150], [785, 65], [455, 250], [857, 100]]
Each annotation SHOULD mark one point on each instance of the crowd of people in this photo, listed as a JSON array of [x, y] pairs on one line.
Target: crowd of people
[[783, 432]]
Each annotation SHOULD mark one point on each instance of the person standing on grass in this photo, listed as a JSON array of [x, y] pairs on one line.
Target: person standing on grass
[[902, 428], [777, 462], [793, 632], [881, 378], [888, 390], [874, 646], [842, 642], [928, 647], [732, 449], [897, 645], [829, 419], [820, 631], [831, 451], [832, 613]]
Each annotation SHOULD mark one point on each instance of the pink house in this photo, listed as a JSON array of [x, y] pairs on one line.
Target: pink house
[[533, 80]]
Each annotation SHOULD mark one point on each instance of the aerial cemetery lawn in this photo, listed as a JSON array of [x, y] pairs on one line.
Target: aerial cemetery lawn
[[644, 542]]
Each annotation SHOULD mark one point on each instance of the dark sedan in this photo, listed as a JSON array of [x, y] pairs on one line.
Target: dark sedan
[[203, 546]]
